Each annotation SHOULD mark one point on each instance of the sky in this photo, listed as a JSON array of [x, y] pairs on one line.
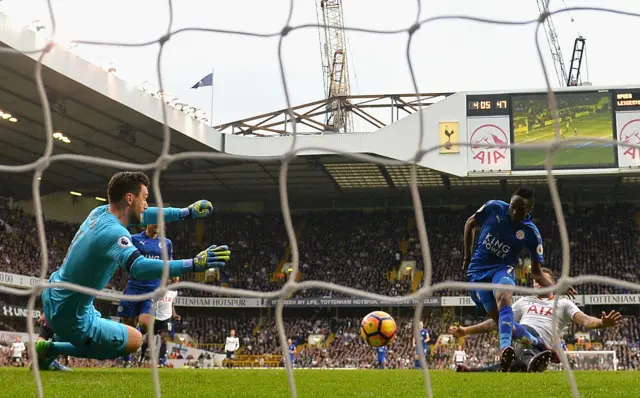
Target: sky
[[446, 55]]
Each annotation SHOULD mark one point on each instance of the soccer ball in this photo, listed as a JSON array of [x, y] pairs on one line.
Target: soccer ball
[[378, 329]]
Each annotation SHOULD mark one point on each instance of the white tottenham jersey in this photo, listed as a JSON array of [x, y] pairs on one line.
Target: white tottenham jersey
[[459, 356], [164, 306], [538, 314], [16, 349], [232, 344]]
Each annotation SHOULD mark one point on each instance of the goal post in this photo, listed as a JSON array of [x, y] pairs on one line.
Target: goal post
[[590, 360]]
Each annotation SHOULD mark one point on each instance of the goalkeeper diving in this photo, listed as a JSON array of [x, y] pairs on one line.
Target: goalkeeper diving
[[101, 245], [535, 313]]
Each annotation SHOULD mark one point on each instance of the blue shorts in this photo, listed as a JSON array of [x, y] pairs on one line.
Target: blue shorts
[[105, 337], [425, 349], [485, 299], [132, 309]]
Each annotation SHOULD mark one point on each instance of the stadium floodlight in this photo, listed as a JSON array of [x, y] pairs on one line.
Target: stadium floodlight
[[13, 119], [74, 193], [98, 198], [5, 115]]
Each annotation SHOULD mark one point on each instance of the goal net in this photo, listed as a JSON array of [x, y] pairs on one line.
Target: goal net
[[290, 149], [590, 360]]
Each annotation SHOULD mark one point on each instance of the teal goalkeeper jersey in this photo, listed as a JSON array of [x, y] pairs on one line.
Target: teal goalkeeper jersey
[[100, 246]]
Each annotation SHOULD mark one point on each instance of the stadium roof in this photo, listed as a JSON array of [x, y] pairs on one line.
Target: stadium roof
[[104, 116]]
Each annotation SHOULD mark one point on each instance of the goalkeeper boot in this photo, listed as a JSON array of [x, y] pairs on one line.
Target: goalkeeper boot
[[539, 362], [44, 360], [55, 365], [507, 355]]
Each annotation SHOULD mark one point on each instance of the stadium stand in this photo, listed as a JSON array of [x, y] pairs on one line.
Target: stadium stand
[[359, 249]]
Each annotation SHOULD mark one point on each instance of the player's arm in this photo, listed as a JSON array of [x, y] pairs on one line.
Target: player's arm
[[119, 248], [477, 219], [534, 245], [174, 314], [199, 209], [479, 328], [537, 259], [605, 321], [427, 338]]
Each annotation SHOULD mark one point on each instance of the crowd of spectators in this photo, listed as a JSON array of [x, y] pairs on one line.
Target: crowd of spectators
[[355, 248]]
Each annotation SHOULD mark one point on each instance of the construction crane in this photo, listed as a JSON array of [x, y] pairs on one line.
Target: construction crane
[[576, 62], [573, 77], [333, 46], [554, 45]]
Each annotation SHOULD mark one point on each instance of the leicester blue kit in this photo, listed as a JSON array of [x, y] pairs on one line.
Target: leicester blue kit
[[382, 353], [292, 351], [498, 248], [149, 248], [425, 346]]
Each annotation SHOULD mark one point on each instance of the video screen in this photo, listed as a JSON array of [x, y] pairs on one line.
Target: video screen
[[583, 114]]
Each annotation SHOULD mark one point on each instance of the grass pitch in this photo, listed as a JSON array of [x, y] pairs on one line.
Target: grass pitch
[[181, 383], [592, 126]]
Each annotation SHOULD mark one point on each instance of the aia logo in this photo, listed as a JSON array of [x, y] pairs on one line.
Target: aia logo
[[540, 310], [630, 134], [493, 135]]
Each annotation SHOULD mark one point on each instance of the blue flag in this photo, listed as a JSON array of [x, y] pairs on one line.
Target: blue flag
[[205, 81]]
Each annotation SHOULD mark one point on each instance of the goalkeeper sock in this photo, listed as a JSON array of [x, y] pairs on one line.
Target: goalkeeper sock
[[505, 326], [522, 335], [58, 348]]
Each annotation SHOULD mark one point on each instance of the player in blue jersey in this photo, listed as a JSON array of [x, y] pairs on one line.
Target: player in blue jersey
[[422, 344], [506, 230], [138, 313], [292, 352], [101, 245], [382, 353]]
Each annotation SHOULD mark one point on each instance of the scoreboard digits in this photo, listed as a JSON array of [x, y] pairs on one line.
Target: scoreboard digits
[[488, 105], [626, 100]]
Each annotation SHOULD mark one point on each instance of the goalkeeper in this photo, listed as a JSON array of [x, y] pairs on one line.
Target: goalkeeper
[[536, 315], [102, 244]]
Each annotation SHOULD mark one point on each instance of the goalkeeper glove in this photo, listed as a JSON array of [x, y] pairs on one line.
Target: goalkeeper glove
[[199, 209], [213, 257]]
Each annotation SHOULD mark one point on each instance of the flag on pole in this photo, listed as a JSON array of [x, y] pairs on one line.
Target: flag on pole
[[206, 81]]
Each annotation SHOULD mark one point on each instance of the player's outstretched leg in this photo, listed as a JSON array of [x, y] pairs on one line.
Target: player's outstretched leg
[[539, 361], [103, 339], [505, 318], [522, 335], [144, 321]]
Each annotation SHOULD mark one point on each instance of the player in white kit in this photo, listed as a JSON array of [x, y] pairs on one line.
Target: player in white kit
[[17, 348], [536, 314], [165, 311], [459, 357], [231, 346]]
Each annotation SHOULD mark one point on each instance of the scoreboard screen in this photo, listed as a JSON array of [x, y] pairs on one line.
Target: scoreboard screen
[[488, 105], [600, 128], [582, 114]]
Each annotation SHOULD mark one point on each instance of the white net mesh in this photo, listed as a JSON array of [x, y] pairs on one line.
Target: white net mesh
[[291, 286]]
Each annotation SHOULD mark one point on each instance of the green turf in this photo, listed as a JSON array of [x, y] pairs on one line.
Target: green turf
[[592, 126], [182, 383]]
